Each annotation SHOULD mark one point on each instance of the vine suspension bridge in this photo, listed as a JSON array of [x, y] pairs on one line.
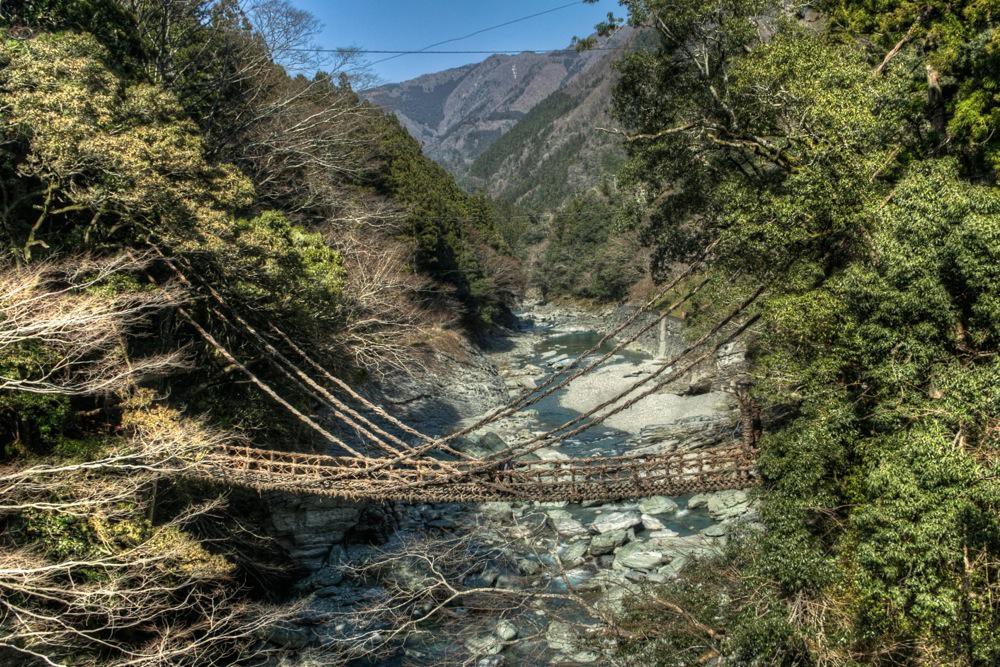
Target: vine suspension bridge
[[397, 462]]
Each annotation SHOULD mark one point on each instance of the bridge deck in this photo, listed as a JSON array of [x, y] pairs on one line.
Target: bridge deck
[[430, 480]]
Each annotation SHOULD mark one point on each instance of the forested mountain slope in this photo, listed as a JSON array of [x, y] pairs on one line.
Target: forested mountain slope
[[837, 173], [563, 146], [173, 203], [459, 113]]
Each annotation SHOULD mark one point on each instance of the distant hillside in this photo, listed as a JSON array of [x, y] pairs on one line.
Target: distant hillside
[[556, 150], [459, 114]]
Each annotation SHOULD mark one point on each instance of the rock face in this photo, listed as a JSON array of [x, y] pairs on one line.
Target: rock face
[[697, 431], [461, 387], [309, 527], [616, 521], [657, 341]]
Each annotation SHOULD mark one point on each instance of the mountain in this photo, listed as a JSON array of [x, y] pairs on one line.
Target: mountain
[[557, 149], [493, 124]]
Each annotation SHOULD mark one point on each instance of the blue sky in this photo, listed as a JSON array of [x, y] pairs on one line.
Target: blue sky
[[414, 24]]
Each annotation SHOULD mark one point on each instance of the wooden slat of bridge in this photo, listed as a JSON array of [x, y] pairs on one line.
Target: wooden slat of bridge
[[429, 480]]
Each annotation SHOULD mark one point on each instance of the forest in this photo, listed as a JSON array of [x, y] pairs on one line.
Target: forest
[[148, 149], [846, 158], [830, 169]]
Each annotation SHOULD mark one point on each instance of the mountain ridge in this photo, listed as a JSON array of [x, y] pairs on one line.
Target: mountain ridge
[[459, 114]]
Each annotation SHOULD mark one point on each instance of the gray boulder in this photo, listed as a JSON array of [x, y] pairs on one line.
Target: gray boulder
[[716, 530], [506, 630], [698, 500], [565, 524], [484, 645], [728, 504], [639, 556], [560, 636], [573, 554], [605, 543], [657, 505], [606, 523]]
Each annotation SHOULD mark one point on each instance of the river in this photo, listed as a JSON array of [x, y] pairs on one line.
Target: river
[[521, 557]]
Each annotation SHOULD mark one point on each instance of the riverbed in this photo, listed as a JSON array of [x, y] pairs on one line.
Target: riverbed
[[522, 558]]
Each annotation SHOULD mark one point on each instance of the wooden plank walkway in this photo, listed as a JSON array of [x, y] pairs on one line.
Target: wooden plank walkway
[[430, 480]]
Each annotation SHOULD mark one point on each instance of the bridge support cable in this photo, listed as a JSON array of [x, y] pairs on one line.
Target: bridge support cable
[[266, 388], [531, 396], [298, 378], [551, 436], [535, 443], [347, 389], [490, 464], [341, 411], [363, 476], [441, 443], [527, 399], [556, 435]]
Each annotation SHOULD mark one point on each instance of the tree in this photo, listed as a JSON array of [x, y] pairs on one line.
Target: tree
[[816, 168]]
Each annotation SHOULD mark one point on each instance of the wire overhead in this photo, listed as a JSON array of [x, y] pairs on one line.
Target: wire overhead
[[393, 54], [426, 52]]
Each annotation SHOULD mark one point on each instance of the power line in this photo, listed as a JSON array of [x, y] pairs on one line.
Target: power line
[[426, 49], [347, 50], [482, 30]]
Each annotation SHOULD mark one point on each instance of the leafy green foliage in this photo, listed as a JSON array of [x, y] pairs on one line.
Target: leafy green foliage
[[821, 174], [583, 258], [961, 47], [454, 233], [273, 265]]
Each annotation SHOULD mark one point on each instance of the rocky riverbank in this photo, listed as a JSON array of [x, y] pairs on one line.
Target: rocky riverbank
[[529, 554]]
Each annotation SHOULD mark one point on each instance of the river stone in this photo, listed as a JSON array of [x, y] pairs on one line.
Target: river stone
[[727, 504], [652, 523], [673, 568], [486, 579], [689, 433], [716, 530], [289, 636], [550, 454], [506, 630], [484, 645], [638, 556], [657, 505], [528, 567], [605, 523], [698, 500], [560, 636], [614, 596], [564, 524], [605, 543], [691, 546], [572, 554], [666, 533], [500, 510], [492, 661]]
